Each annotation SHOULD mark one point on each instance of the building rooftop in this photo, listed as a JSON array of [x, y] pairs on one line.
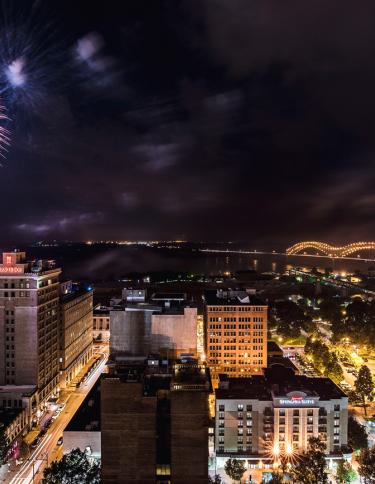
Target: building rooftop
[[87, 417], [277, 381], [231, 297], [24, 390], [273, 347], [76, 294], [161, 374], [7, 416], [168, 296], [102, 310]]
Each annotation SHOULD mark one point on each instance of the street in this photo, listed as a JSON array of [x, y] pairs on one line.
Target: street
[[31, 471]]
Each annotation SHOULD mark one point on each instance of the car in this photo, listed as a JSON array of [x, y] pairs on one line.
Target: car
[[43, 432], [35, 443], [60, 441], [365, 360]]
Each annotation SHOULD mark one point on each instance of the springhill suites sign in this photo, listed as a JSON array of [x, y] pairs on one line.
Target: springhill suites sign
[[296, 401]]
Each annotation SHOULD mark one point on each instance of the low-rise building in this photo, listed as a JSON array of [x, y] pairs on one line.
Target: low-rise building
[[260, 418], [101, 323], [75, 342]]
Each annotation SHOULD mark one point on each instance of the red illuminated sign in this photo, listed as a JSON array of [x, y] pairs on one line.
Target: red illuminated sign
[[8, 260], [11, 270]]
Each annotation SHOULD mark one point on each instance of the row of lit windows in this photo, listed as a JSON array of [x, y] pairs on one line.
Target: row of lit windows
[[235, 308]]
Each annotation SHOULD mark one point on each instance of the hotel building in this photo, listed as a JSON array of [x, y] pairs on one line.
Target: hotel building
[[261, 418], [236, 333], [29, 331]]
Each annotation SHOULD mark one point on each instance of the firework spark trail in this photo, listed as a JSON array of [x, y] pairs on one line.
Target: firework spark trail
[[4, 133]]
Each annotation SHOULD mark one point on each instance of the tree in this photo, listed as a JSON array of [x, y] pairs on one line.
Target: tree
[[357, 435], [366, 467], [235, 469], [364, 385], [73, 468], [311, 465], [345, 474], [214, 480]]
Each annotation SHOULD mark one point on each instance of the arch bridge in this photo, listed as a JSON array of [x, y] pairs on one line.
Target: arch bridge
[[330, 250]]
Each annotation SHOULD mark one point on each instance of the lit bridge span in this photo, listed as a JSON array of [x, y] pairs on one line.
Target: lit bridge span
[[330, 250]]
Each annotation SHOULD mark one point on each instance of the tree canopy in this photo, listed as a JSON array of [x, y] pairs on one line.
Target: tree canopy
[[73, 468], [235, 469], [366, 467], [364, 385], [324, 361], [345, 474], [311, 465], [357, 435]]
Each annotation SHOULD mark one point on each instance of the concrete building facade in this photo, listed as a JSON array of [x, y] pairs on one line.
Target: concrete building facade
[[236, 333], [76, 334], [166, 325], [29, 321]]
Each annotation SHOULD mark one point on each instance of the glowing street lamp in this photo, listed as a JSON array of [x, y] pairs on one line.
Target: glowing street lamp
[[289, 449]]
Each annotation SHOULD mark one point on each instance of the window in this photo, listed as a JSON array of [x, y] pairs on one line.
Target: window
[[336, 408], [295, 413], [249, 408], [240, 407], [221, 408]]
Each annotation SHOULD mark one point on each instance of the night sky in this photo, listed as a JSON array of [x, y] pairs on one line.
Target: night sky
[[197, 119]]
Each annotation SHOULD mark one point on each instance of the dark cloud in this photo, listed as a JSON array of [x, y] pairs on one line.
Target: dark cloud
[[208, 119]]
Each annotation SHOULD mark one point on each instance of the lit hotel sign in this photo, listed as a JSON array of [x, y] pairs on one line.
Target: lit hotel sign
[[11, 270], [295, 401], [10, 266]]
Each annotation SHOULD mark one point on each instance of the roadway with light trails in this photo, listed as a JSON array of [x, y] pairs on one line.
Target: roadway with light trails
[[31, 471]]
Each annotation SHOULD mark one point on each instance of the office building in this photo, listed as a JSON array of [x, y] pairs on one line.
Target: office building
[[75, 342], [236, 333], [262, 417], [29, 322], [155, 422]]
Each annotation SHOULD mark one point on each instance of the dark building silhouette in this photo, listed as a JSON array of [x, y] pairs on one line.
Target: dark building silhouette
[[154, 422]]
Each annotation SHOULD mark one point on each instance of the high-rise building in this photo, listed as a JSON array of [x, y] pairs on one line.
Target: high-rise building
[[236, 333], [154, 422], [262, 418], [75, 342], [29, 321]]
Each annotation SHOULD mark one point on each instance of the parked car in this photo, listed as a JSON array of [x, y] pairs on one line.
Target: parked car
[[60, 441]]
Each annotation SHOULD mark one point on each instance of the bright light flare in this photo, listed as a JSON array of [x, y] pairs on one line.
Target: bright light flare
[[276, 449], [289, 449]]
